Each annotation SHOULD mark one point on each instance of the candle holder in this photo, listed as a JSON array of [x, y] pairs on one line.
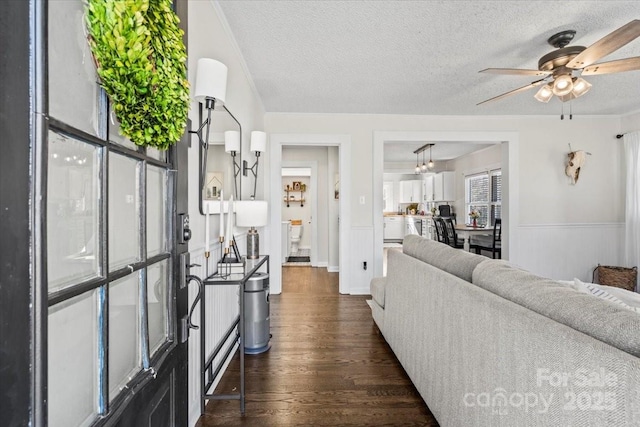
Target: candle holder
[[230, 264]]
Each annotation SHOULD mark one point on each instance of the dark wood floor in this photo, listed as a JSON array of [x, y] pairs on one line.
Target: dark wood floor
[[328, 365]]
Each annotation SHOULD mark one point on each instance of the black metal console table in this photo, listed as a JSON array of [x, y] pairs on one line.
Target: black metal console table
[[208, 371]]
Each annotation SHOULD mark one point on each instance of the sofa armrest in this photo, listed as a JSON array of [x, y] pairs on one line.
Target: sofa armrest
[[378, 285]]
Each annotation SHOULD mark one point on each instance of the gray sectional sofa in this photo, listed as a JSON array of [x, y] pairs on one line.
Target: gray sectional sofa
[[488, 344]]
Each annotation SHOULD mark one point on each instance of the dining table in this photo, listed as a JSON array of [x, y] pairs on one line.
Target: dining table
[[466, 231]]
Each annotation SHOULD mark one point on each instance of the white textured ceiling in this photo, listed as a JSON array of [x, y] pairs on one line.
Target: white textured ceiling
[[421, 57]]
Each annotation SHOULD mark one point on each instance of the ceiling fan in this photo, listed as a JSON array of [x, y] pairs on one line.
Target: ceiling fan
[[562, 69]]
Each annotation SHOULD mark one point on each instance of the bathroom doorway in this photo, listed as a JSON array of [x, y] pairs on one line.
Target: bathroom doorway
[[300, 212], [332, 155]]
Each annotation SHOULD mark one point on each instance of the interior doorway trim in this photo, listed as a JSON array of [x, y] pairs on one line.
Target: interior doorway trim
[[313, 202], [510, 180], [277, 141]]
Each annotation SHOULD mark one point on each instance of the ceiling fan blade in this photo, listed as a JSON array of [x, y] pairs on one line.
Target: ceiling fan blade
[[513, 92], [609, 43], [514, 72], [618, 66]]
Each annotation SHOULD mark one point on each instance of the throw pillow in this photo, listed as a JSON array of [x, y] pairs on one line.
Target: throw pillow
[[631, 301]]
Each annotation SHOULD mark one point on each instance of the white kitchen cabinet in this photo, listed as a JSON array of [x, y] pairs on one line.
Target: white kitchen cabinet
[[411, 191], [427, 189], [393, 228], [444, 187]]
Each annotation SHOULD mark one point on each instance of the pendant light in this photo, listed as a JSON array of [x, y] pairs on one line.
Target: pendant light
[[431, 164], [417, 164], [423, 168]]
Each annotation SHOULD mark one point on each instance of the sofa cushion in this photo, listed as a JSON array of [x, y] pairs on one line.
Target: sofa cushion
[[601, 319], [377, 290], [453, 261]]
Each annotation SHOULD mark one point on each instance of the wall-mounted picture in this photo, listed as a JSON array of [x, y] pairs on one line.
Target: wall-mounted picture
[[297, 185], [213, 185]]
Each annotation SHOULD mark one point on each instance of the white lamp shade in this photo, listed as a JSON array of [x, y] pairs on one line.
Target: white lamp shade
[[251, 213], [580, 87], [211, 80], [544, 94], [258, 141], [562, 85], [232, 141]]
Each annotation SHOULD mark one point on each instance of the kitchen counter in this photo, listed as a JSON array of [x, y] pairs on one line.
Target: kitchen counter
[[387, 214]]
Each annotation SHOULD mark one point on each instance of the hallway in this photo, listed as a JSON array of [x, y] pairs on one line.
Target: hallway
[[328, 365]]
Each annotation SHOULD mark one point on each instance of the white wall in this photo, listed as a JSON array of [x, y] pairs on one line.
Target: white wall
[[209, 38], [630, 123], [333, 210], [543, 196]]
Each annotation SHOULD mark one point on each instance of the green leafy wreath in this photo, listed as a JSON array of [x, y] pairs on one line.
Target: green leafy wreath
[[141, 61]]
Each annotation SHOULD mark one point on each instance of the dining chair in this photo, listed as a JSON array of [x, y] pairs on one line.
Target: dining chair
[[493, 244], [441, 231], [454, 241]]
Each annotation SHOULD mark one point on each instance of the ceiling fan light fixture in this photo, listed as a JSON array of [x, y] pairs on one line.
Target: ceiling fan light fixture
[[580, 87], [544, 94], [562, 85]]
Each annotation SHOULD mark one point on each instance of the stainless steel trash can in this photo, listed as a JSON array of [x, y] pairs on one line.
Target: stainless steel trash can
[[257, 322]]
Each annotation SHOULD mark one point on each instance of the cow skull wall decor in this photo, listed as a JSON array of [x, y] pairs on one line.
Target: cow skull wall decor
[[574, 163]]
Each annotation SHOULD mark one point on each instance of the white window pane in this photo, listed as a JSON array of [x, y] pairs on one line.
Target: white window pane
[[124, 211], [157, 288], [73, 87], [496, 187], [73, 361], [124, 332], [484, 213], [72, 211], [156, 209], [479, 189]]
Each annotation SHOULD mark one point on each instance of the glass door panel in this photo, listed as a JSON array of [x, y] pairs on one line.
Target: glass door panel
[[156, 211], [124, 332], [73, 361], [73, 252], [157, 309], [73, 92], [124, 211]]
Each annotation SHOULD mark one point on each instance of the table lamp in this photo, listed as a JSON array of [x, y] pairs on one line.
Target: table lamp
[[252, 213]]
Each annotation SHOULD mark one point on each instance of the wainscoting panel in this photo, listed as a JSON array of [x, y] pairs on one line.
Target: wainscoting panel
[[222, 309], [565, 251], [361, 252]]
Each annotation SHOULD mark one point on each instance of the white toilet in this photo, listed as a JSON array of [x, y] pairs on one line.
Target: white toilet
[[296, 234]]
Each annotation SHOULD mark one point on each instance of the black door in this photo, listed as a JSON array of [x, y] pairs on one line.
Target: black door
[[92, 294]]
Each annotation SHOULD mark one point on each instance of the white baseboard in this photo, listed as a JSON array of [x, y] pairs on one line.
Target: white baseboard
[[333, 269], [360, 291]]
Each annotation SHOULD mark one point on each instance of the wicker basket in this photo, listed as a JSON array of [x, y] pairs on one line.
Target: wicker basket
[[620, 277]]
